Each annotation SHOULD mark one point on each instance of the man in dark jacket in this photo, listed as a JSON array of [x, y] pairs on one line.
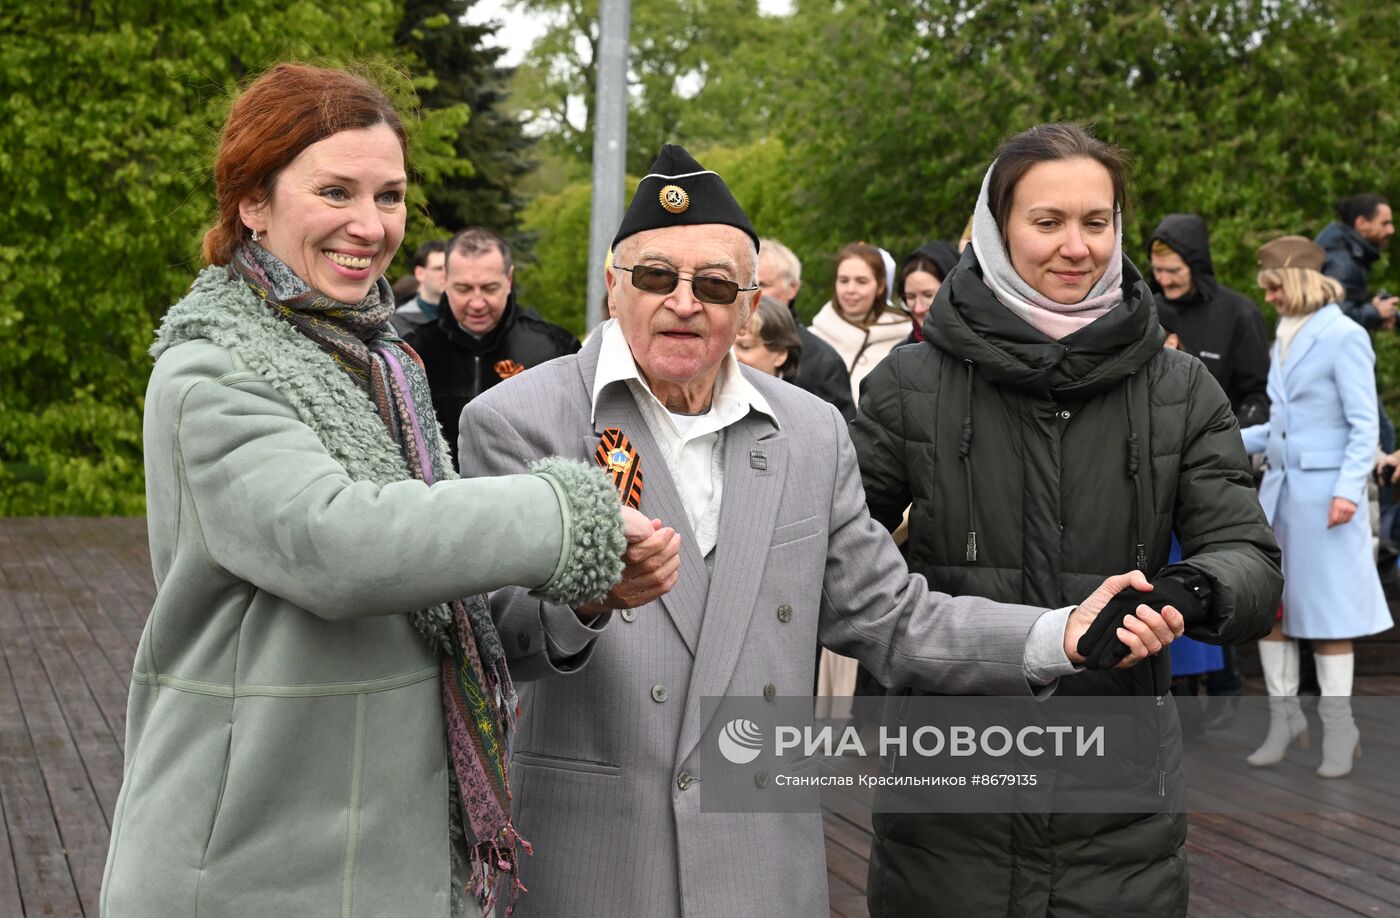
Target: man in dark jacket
[[428, 273], [482, 336], [1225, 330], [1222, 328], [1353, 243], [822, 372]]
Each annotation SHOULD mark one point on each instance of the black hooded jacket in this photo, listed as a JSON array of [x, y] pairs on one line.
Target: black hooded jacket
[[1035, 469], [461, 366], [1222, 328], [821, 371]]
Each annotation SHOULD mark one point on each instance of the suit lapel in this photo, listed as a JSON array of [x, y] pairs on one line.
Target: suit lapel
[[660, 500], [1305, 339], [750, 505]]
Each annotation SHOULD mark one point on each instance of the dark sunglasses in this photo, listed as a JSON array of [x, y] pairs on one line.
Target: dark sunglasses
[[715, 290]]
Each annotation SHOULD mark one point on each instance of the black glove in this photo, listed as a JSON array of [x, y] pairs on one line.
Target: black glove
[[1188, 591]]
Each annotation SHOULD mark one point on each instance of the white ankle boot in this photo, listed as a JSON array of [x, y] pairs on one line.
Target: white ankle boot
[[1286, 720], [1341, 740]]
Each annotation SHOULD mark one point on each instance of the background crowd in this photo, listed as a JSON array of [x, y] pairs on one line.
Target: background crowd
[[834, 123]]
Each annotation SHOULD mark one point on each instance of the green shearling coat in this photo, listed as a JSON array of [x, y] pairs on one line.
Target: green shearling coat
[[285, 751]]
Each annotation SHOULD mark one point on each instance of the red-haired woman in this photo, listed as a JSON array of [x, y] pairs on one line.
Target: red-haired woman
[[316, 654], [858, 320]]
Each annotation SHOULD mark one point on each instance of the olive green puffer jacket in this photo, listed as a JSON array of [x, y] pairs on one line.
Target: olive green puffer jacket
[[1035, 469]]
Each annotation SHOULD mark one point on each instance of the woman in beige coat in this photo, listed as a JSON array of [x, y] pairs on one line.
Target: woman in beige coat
[[316, 655], [858, 320]]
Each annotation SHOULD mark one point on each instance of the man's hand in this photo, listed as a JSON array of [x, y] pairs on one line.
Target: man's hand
[[1144, 633], [1385, 307], [651, 565], [1341, 512]]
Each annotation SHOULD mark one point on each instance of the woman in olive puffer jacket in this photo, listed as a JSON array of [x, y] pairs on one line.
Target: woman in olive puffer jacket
[[1045, 438]]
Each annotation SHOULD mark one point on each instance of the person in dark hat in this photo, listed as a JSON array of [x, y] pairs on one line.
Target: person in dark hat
[[778, 551]]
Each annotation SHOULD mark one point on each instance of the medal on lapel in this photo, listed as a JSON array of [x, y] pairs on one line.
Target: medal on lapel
[[616, 456]]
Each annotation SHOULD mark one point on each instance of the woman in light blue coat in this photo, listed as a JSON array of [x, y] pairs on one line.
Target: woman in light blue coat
[[1321, 442]]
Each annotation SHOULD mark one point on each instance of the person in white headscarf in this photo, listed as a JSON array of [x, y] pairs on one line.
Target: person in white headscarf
[[1043, 436]]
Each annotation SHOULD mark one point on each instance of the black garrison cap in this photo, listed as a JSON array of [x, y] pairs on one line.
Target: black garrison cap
[[680, 192]]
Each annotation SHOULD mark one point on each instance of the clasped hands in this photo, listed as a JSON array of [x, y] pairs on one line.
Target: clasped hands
[[1128, 619], [650, 565]]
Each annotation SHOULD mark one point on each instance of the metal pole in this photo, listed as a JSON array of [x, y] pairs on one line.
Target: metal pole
[[609, 146]]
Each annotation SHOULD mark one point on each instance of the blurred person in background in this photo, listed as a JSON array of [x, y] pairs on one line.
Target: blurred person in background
[[822, 374], [857, 321], [1353, 243], [483, 335], [1225, 331], [429, 276], [770, 343], [1320, 441], [1221, 328], [920, 276]]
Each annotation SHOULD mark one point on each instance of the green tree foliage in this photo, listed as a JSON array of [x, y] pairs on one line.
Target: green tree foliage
[[1257, 115], [109, 116], [698, 73], [554, 279], [461, 69]]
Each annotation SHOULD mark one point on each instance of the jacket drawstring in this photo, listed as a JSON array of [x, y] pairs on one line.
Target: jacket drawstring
[[964, 452], [1134, 460]]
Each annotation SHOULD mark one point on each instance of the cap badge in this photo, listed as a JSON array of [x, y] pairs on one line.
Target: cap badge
[[674, 199]]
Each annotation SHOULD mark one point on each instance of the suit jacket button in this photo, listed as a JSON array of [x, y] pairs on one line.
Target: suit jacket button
[[761, 778], [660, 693], [784, 613], [770, 691], [629, 615], [523, 640], [683, 780]]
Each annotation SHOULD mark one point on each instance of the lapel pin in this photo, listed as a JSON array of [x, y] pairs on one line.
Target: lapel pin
[[758, 460]]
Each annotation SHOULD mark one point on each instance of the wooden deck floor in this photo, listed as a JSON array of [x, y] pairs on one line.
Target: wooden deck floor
[[74, 594]]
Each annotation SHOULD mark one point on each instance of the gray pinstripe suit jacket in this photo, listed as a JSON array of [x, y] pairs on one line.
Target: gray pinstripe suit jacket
[[596, 759]]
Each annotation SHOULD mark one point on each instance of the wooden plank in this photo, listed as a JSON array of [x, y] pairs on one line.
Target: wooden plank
[[45, 881], [846, 900], [77, 810], [1225, 885], [1348, 884], [9, 874], [846, 864], [117, 563], [1239, 867], [96, 596], [107, 684]]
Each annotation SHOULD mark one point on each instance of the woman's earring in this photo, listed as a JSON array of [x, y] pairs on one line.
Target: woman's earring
[[255, 235]]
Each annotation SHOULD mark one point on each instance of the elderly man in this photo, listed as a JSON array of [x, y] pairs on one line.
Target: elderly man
[[758, 481]]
